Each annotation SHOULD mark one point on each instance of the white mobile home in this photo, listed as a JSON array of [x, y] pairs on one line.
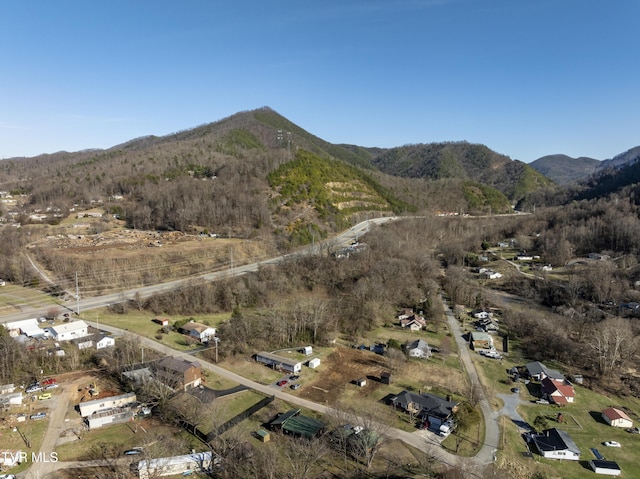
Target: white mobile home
[[278, 362], [90, 407]]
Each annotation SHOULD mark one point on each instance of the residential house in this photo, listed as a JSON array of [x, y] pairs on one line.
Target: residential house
[[69, 331], [178, 373], [538, 371], [413, 322], [104, 341], [434, 410], [11, 399], [405, 313], [480, 340], [489, 274], [616, 417], [418, 349], [556, 444], [201, 332], [279, 362], [560, 392], [481, 314]]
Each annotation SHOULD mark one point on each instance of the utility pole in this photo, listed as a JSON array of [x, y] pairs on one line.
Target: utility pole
[[216, 340], [77, 296]]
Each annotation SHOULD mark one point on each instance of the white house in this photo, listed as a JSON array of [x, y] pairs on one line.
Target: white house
[[69, 331], [105, 342], [616, 417], [201, 332], [279, 362], [556, 444], [418, 349]]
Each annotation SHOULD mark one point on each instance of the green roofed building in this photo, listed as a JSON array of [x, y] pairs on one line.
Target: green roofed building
[[292, 422]]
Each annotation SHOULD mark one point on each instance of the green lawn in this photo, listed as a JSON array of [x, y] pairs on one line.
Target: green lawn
[[140, 322], [583, 423]]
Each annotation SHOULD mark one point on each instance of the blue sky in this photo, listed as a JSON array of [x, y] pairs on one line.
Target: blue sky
[[526, 78]]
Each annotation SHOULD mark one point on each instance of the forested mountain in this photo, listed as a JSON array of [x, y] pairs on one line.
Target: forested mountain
[[565, 170], [217, 176], [462, 160]]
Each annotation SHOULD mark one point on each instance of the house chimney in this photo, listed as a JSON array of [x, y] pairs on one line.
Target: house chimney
[[448, 397]]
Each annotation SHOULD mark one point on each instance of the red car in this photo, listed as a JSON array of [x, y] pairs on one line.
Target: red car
[[282, 383], [49, 382]]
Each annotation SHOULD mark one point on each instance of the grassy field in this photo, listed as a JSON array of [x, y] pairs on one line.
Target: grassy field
[[140, 322], [11, 440], [582, 421], [17, 298]]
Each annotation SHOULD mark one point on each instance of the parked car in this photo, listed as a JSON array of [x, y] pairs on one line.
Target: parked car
[[542, 401], [44, 396], [515, 390], [7, 476], [612, 444], [33, 388], [295, 386], [49, 381], [50, 386], [283, 382], [633, 430], [134, 451], [295, 377], [38, 415]]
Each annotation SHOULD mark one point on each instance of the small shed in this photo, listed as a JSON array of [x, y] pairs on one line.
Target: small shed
[[264, 436], [161, 321], [361, 382], [616, 417], [608, 468], [385, 378], [314, 363], [306, 350]]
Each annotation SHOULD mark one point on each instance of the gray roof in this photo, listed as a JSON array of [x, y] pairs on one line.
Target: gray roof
[[428, 403], [555, 440], [535, 368], [418, 344]]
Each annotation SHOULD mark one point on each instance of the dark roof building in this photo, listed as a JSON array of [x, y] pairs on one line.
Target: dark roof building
[[431, 407], [292, 422], [556, 444]]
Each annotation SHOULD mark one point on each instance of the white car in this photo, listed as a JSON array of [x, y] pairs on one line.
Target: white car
[[613, 444]]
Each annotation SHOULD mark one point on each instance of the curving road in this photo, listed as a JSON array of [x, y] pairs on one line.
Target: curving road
[[418, 439]]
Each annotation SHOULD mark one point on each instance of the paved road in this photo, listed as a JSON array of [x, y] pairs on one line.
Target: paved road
[[418, 439], [492, 428], [97, 302]]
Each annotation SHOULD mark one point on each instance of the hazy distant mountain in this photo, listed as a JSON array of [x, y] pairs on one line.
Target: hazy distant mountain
[[623, 159], [565, 170]]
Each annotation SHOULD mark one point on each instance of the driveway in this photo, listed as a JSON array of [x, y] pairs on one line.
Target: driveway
[[510, 410]]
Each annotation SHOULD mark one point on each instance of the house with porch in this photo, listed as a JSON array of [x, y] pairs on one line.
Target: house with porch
[[201, 332]]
